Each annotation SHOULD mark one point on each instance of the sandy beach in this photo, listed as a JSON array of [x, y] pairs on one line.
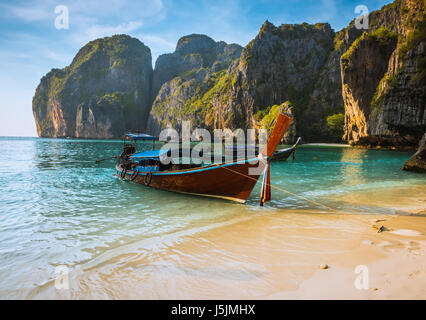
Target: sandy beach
[[395, 260], [271, 254]]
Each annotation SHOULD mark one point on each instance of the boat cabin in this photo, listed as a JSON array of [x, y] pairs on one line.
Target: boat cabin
[[147, 161], [150, 160]]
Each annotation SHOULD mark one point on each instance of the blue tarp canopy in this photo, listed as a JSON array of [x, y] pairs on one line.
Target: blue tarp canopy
[[140, 136], [152, 154]]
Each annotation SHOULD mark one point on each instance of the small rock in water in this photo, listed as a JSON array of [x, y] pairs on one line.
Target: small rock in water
[[324, 266], [417, 162]]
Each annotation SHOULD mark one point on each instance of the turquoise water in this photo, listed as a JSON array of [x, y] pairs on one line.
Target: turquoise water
[[57, 207]]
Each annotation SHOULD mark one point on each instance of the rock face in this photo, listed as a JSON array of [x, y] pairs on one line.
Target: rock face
[[100, 118], [383, 78], [217, 86], [182, 78], [417, 162], [193, 52], [362, 68], [104, 92], [280, 64], [229, 90]]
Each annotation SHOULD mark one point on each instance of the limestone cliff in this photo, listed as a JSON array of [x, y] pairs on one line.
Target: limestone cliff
[[181, 80], [238, 91], [383, 78], [279, 64], [376, 77], [105, 91], [326, 97]]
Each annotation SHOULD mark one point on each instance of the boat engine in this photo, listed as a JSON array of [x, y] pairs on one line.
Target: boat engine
[[128, 150]]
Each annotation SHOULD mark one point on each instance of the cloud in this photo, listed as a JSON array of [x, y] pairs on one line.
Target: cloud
[[113, 8], [329, 8], [99, 31], [157, 44], [81, 10], [151, 7], [326, 12], [31, 14], [54, 55], [156, 41]]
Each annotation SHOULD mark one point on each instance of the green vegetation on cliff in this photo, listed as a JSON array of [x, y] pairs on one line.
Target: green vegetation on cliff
[[117, 67], [414, 36], [335, 124], [198, 104], [197, 81], [268, 116], [384, 77], [382, 36]]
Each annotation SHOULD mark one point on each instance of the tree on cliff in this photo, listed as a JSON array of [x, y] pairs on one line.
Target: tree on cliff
[[335, 124]]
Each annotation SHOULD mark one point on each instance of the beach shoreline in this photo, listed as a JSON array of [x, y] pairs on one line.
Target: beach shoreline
[[270, 254]]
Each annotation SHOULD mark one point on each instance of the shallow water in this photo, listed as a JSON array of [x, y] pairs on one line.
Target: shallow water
[[57, 207]]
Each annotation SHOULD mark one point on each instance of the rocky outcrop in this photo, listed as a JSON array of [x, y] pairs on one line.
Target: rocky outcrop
[[103, 117], [326, 97], [362, 68], [104, 92], [383, 78], [375, 77], [182, 78], [417, 162], [193, 52], [233, 91], [280, 64]]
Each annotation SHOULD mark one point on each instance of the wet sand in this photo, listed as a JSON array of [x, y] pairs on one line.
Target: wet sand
[[270, 254], [395, 260]]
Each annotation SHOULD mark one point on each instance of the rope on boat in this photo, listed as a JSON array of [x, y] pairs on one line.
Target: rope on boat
[[300, 197], [281, 189], [265, 193], [134, 175], [148, 178]]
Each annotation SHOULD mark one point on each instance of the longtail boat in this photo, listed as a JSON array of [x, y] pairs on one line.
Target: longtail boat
[[284, 154], [232, 180]]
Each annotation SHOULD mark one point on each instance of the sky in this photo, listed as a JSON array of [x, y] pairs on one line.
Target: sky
[[31, 44]]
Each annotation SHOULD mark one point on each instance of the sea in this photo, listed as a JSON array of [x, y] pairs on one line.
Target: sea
[[59, 210]]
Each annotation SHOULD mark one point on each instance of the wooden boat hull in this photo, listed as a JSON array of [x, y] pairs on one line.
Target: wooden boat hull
[[283, 154], [226, 181], [230, 180]]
